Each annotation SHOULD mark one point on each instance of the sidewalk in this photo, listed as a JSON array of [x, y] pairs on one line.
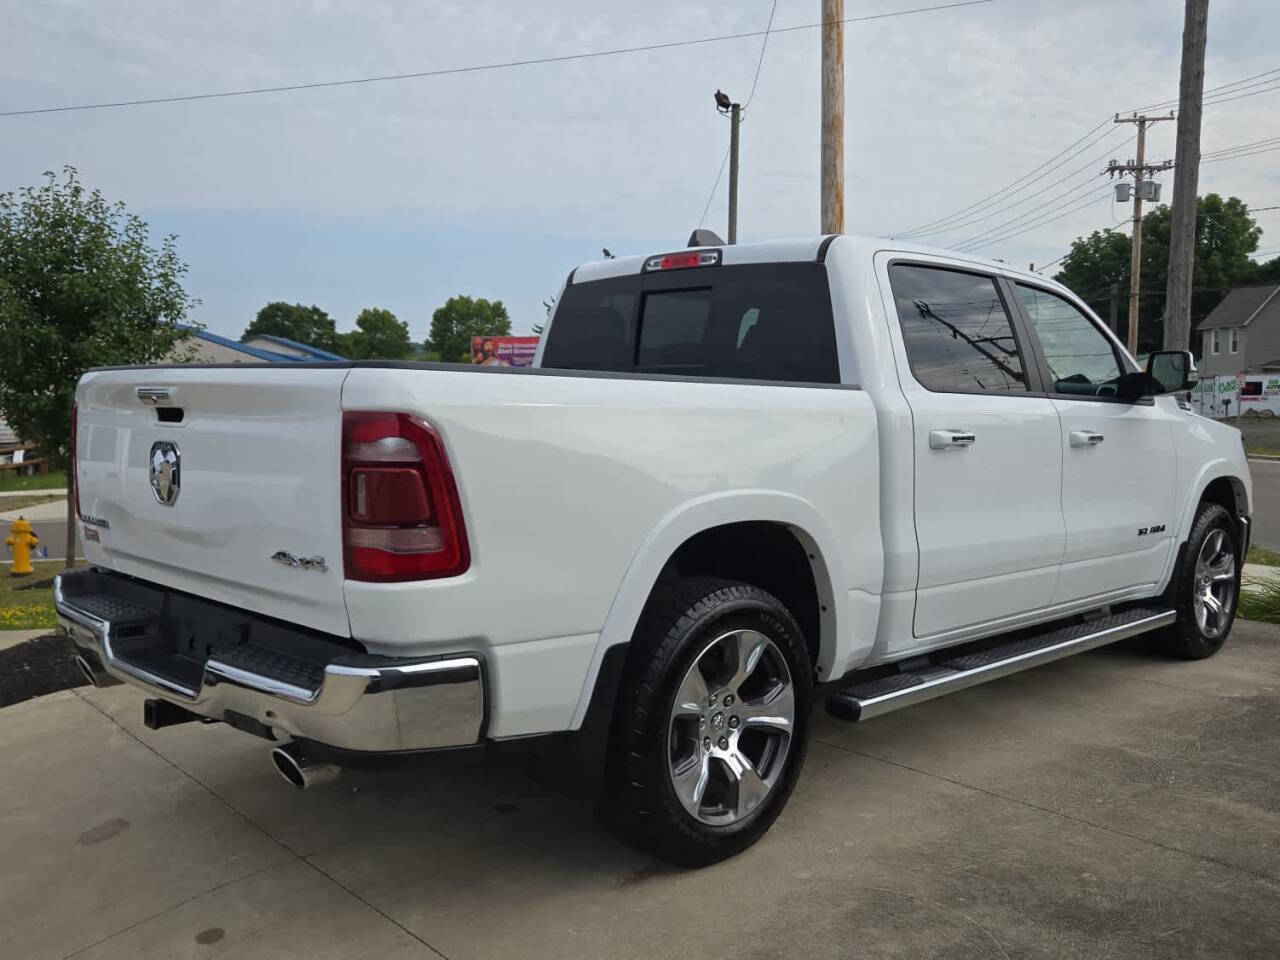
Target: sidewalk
[[1260, 571], [11, 638], [53, 510], [32, 493]]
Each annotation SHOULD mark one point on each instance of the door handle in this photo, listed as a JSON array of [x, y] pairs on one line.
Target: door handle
[[941, 439], [1085, 438]]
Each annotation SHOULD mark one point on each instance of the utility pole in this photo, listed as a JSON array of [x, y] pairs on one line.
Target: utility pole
[[1142, 189], [1186, 179], [832, 116], [735, 119]]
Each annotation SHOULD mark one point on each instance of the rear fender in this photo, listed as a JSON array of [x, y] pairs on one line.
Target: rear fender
[[704, 513]]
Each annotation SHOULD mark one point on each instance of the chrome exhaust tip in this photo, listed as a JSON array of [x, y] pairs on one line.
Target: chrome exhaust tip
[[302, 771], [85, 670], [92, 671]]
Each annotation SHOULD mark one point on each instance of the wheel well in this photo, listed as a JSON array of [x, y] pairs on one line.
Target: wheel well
[[767, 555], [1228, 492]]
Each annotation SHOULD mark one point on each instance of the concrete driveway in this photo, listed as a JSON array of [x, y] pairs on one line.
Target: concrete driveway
[[1107, 806]]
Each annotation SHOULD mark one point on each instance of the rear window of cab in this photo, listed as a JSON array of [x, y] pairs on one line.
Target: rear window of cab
[[768, 321]]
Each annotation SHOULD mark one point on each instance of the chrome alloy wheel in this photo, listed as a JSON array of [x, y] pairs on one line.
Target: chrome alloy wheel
[[1214, 592], [731, 727]]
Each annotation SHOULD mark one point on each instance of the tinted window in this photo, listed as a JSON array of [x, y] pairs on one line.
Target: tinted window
[[767, 321], [958, 334], [1081, 359], [673, 331]]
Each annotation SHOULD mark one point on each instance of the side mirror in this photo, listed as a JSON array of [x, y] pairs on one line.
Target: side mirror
[[1171, 371]]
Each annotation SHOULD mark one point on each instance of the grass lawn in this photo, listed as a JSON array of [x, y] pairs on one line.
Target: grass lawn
[[57, 480], [28, 609], [1259, 600]]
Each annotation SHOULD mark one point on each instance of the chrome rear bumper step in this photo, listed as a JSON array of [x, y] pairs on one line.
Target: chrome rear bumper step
[[213, 662], [949, 671]]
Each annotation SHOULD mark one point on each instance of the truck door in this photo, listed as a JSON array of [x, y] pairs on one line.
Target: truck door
[[987, 453], [1118, 464]]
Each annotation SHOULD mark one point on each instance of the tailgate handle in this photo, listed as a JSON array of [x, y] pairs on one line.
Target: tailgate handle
[[941, 439], [154, 395]]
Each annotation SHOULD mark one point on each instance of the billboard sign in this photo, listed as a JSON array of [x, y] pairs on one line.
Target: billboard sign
[[503, 351]]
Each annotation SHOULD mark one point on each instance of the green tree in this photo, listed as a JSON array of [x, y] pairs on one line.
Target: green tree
[[460, 319], [80, 286], [1268, 272], [1225, 236], [378, 336], [309, 325]]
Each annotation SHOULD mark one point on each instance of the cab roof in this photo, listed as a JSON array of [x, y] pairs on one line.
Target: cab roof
[[797, 249]]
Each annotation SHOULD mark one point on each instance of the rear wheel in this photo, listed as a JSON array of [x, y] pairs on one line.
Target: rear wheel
[[712, 723], [1206, 589]]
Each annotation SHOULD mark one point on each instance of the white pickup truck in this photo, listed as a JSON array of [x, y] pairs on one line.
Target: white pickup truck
[[739, 478]]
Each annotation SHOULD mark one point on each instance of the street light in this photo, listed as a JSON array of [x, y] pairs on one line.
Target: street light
[[734, 110]]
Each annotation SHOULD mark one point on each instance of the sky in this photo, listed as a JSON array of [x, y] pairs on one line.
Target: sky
[[496, 183]]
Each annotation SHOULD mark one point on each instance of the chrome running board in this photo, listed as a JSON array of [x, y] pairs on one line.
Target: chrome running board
[[951, 670]]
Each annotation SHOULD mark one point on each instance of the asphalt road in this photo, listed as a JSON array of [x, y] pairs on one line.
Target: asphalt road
[[1266, 497], [53, 534]]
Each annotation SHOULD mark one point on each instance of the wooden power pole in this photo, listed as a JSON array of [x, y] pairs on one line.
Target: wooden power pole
[[1141, 188], [833, 116], [1186, 179]]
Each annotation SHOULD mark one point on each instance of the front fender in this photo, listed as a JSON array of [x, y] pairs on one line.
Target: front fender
[[1207, 452]]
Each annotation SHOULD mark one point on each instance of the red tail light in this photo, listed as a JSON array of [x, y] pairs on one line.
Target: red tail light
[[75, 438], [401, 519]]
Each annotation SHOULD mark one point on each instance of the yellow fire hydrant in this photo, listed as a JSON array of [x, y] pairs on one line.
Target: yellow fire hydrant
[[21, 539]]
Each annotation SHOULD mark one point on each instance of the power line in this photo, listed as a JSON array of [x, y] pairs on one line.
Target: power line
[[1016, 221], [1093, 198], [1221, 88], [1237, 156], [751, 96], [1243, 146], [760, 62], [476, 68], [936, 226], [925, 229], [1210, 103], [1046, 266], [969, 221]]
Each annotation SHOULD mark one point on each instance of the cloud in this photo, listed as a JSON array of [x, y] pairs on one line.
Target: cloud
[[942, 109]]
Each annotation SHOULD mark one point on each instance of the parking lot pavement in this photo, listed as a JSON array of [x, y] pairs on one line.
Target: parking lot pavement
[[1112, 805]]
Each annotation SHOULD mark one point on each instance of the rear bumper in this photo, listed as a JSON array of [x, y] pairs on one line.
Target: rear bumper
[[263, 677]]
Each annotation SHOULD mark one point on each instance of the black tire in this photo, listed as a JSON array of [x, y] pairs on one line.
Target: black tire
[[1185, 639], [679, 620]]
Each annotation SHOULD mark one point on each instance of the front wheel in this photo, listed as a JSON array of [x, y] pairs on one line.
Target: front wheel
[[1206, 587], [712, 723]]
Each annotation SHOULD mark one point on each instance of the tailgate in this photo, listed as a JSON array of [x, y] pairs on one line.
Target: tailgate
[[257, 457]]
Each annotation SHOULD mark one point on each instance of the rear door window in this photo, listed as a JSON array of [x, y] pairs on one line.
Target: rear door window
[[769, 321], [957, 330]]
